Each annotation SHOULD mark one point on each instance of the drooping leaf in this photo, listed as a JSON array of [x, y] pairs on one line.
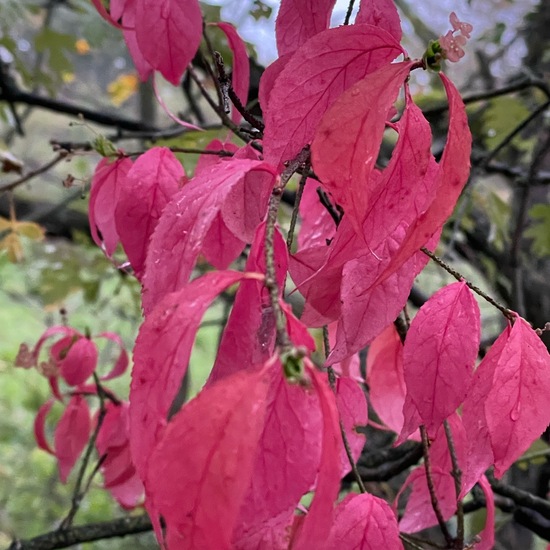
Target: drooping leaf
[[438, 360], [487, 536], [168, 33], [121, 363], [103, 200], [161, 357], [240, 74], [245, 185], [148, 186], [364, 522], [314, 529], [71, 435], [380, 13], [385, 378], [512, 410], [348, 138], [298, 21], [200, 470], [329, 63], [40, 426]]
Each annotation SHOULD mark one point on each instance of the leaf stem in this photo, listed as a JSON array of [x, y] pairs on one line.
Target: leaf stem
[[457, 476]]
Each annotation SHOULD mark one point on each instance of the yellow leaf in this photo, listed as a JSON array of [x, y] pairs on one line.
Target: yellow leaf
[[30, 230], [122, 88], [82, 46], [12, 245]]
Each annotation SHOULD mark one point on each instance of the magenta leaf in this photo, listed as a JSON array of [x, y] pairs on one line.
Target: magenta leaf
[[240, 74], [385, 378], [364, 522], [315, 527], [268, 79], [348, 138], [200, 470], [487, 536], [438, 359], [380, 13], [297, 21], [79, 362], [238, 189], [330, 63], [151, 182], [168, 33], [161, 357], [104, 195], [508, 404], [71, 435], [121, 363]]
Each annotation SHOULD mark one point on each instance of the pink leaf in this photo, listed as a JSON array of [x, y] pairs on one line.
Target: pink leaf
[[240, 74], [316, 525], [105, 14], [80, 362], [268, 79], [161, 357], [330, 63], [382, 14], [168, 33], [71, 435], [289, 452], [39, 426], [206, 161], [512, 386], [297, 21], [149, 185], [348, 138], [385, 378], [353, 411], [248, 338], [128, 494], [108, 177], [245, 185], [220, 246], [438, 360], [318, 226], [364, 522], [200, 470]]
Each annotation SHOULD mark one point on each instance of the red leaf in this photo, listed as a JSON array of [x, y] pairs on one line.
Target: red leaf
[[248, 338], [268, 79], [143, 66], [297, 21], [80, 362], [438, 359], [149, 185], [330, 62], [200, 470], [317, 224], [451, 177], [128, 494], [512, 388], [168, 33], [39, 426], [206, 161], [71, 435], [385, 378], [240, 74], [108, 177], [161, 357], [348, 138], [245, 185], [316, 525], [382, 14], [289, 452], [364, 522]]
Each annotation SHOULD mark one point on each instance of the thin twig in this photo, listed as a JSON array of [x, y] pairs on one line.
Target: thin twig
[[459, 277], [349, 12], [431, 487], [457, 476], [44, 168]]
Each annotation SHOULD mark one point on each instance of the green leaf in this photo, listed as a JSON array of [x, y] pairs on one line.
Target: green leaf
[[540, 230]]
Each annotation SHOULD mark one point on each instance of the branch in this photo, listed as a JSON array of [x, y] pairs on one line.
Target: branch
[[85, 533]]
